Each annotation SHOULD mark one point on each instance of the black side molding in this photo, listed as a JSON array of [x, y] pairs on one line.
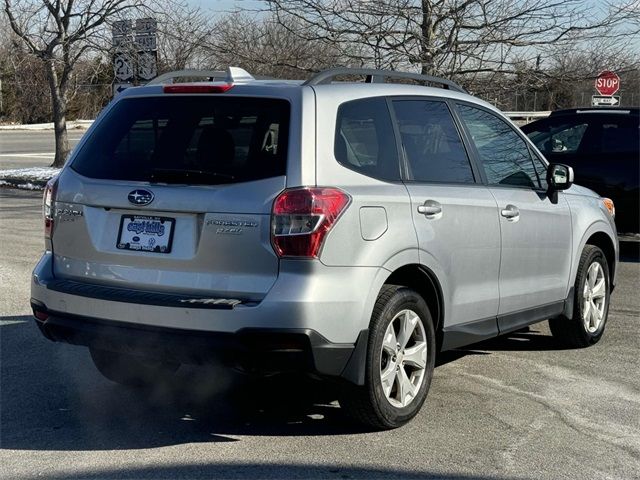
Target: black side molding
[[517, 320], [472, 332], [468, 333]]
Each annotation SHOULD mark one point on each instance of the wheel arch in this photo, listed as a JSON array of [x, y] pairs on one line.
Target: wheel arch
[[604, 242], [424, 281]]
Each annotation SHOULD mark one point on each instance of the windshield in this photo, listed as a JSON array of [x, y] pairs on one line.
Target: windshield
[[189, 140]]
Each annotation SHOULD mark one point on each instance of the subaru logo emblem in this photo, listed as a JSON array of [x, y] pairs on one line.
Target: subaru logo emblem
[[140, 197]]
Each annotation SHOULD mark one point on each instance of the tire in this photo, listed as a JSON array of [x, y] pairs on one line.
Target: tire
[[382, 405], [131, 370], [590, 303]]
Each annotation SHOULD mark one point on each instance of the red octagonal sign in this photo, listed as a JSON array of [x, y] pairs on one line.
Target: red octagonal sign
[[607, 83]]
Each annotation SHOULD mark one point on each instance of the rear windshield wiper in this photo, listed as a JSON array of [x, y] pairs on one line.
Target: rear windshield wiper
[[181, 175]]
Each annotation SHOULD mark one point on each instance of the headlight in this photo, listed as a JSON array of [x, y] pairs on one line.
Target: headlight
[[608, 204]]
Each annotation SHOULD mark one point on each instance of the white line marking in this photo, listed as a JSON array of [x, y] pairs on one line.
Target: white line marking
[[28, 155]]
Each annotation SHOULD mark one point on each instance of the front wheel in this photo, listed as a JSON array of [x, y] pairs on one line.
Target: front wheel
[[131, 370], [400, 361], [590, 303]]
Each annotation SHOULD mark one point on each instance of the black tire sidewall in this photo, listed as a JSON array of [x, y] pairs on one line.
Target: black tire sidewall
[[594, 255], [402, 299]]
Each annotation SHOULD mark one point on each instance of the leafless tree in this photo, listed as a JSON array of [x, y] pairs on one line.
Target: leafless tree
[[464, 38], [58, 33], [263, 46], [183, 33]]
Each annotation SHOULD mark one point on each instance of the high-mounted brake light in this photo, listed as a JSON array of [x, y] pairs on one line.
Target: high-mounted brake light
[[302, 217], [48, 205], [191, 88]]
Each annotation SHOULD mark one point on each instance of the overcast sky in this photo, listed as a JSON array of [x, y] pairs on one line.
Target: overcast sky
[[224, 5]]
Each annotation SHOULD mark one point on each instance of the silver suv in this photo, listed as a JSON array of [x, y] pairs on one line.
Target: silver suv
[[349, 230]]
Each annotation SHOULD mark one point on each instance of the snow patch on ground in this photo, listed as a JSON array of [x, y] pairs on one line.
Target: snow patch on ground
[[34, 178], [75, 124]]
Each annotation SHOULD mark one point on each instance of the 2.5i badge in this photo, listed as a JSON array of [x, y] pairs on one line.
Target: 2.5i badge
[[146, 233]]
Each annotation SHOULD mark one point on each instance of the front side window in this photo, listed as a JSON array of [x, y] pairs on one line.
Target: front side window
[[364, 139], [431, 142], [504, 156]]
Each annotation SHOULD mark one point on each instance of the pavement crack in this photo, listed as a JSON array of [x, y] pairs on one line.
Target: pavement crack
[[628, 441]]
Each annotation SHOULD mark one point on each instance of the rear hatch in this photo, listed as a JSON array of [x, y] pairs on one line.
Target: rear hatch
[[173, 193]]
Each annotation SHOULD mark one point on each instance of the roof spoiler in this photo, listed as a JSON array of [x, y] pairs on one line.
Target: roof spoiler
[[230, 75]]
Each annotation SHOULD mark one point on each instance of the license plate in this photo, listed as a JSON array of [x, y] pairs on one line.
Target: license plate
[[145, 233]]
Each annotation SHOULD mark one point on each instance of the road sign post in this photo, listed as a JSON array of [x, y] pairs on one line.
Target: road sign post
[[604, 101], [135, 58], [147, 46]]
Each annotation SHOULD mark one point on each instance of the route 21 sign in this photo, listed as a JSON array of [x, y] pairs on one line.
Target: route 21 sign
[[123, 67]]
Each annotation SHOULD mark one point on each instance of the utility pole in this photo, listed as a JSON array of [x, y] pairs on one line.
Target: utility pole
[[1, 102]]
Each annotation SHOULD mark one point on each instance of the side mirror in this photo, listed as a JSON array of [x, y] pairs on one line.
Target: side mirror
[[559, 176]]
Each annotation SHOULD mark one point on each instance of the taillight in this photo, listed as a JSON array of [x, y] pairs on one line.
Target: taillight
[[302, 217], [48, 205]]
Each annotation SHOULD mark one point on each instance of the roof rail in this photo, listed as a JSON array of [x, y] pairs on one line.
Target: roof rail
[[231, 75], [378, 76]]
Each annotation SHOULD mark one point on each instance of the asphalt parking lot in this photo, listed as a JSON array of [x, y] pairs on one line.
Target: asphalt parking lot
[[515, 407], [24, 148]]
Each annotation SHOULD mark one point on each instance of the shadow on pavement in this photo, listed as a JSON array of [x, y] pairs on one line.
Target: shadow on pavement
[[52, 398], [256, 470]]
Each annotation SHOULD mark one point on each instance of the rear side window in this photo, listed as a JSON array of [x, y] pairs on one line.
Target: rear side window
[[431, 142], [364, 139], [622, 136], [192, 140], [504, 155], [559, 138]]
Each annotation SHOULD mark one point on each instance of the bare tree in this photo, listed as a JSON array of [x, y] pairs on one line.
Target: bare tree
[[183, 33], [453, 37], [263, 46], [58, 33]]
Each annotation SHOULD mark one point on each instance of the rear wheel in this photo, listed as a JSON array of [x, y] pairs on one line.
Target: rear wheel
[[131, 370], [400, 361], [590, 303]]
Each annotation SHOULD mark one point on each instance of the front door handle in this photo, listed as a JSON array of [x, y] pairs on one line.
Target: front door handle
[[430, 209], [510, 212]]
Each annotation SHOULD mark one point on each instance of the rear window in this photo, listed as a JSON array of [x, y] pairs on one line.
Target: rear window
[[193, 140]]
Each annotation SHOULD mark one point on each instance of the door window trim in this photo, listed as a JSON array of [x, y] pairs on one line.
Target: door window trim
[[395, 139], [476, 155], [404, 161]]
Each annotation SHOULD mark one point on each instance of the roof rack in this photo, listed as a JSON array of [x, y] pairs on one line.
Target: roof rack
[[230, 75], [378, 76]]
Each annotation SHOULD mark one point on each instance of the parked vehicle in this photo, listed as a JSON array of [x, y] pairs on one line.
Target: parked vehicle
[[343, 229], [603, 147]]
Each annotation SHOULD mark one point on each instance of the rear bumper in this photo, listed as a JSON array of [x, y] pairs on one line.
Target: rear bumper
[[336, 302], [254, 350], [312, 320]]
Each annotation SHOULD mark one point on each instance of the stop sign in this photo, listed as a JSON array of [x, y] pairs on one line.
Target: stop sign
[[607, 83]]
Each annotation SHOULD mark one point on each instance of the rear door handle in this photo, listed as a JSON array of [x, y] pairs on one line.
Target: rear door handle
[[510, 212], [430, 208]]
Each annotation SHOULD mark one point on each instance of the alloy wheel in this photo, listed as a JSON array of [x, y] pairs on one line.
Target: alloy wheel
[[403, 359]]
